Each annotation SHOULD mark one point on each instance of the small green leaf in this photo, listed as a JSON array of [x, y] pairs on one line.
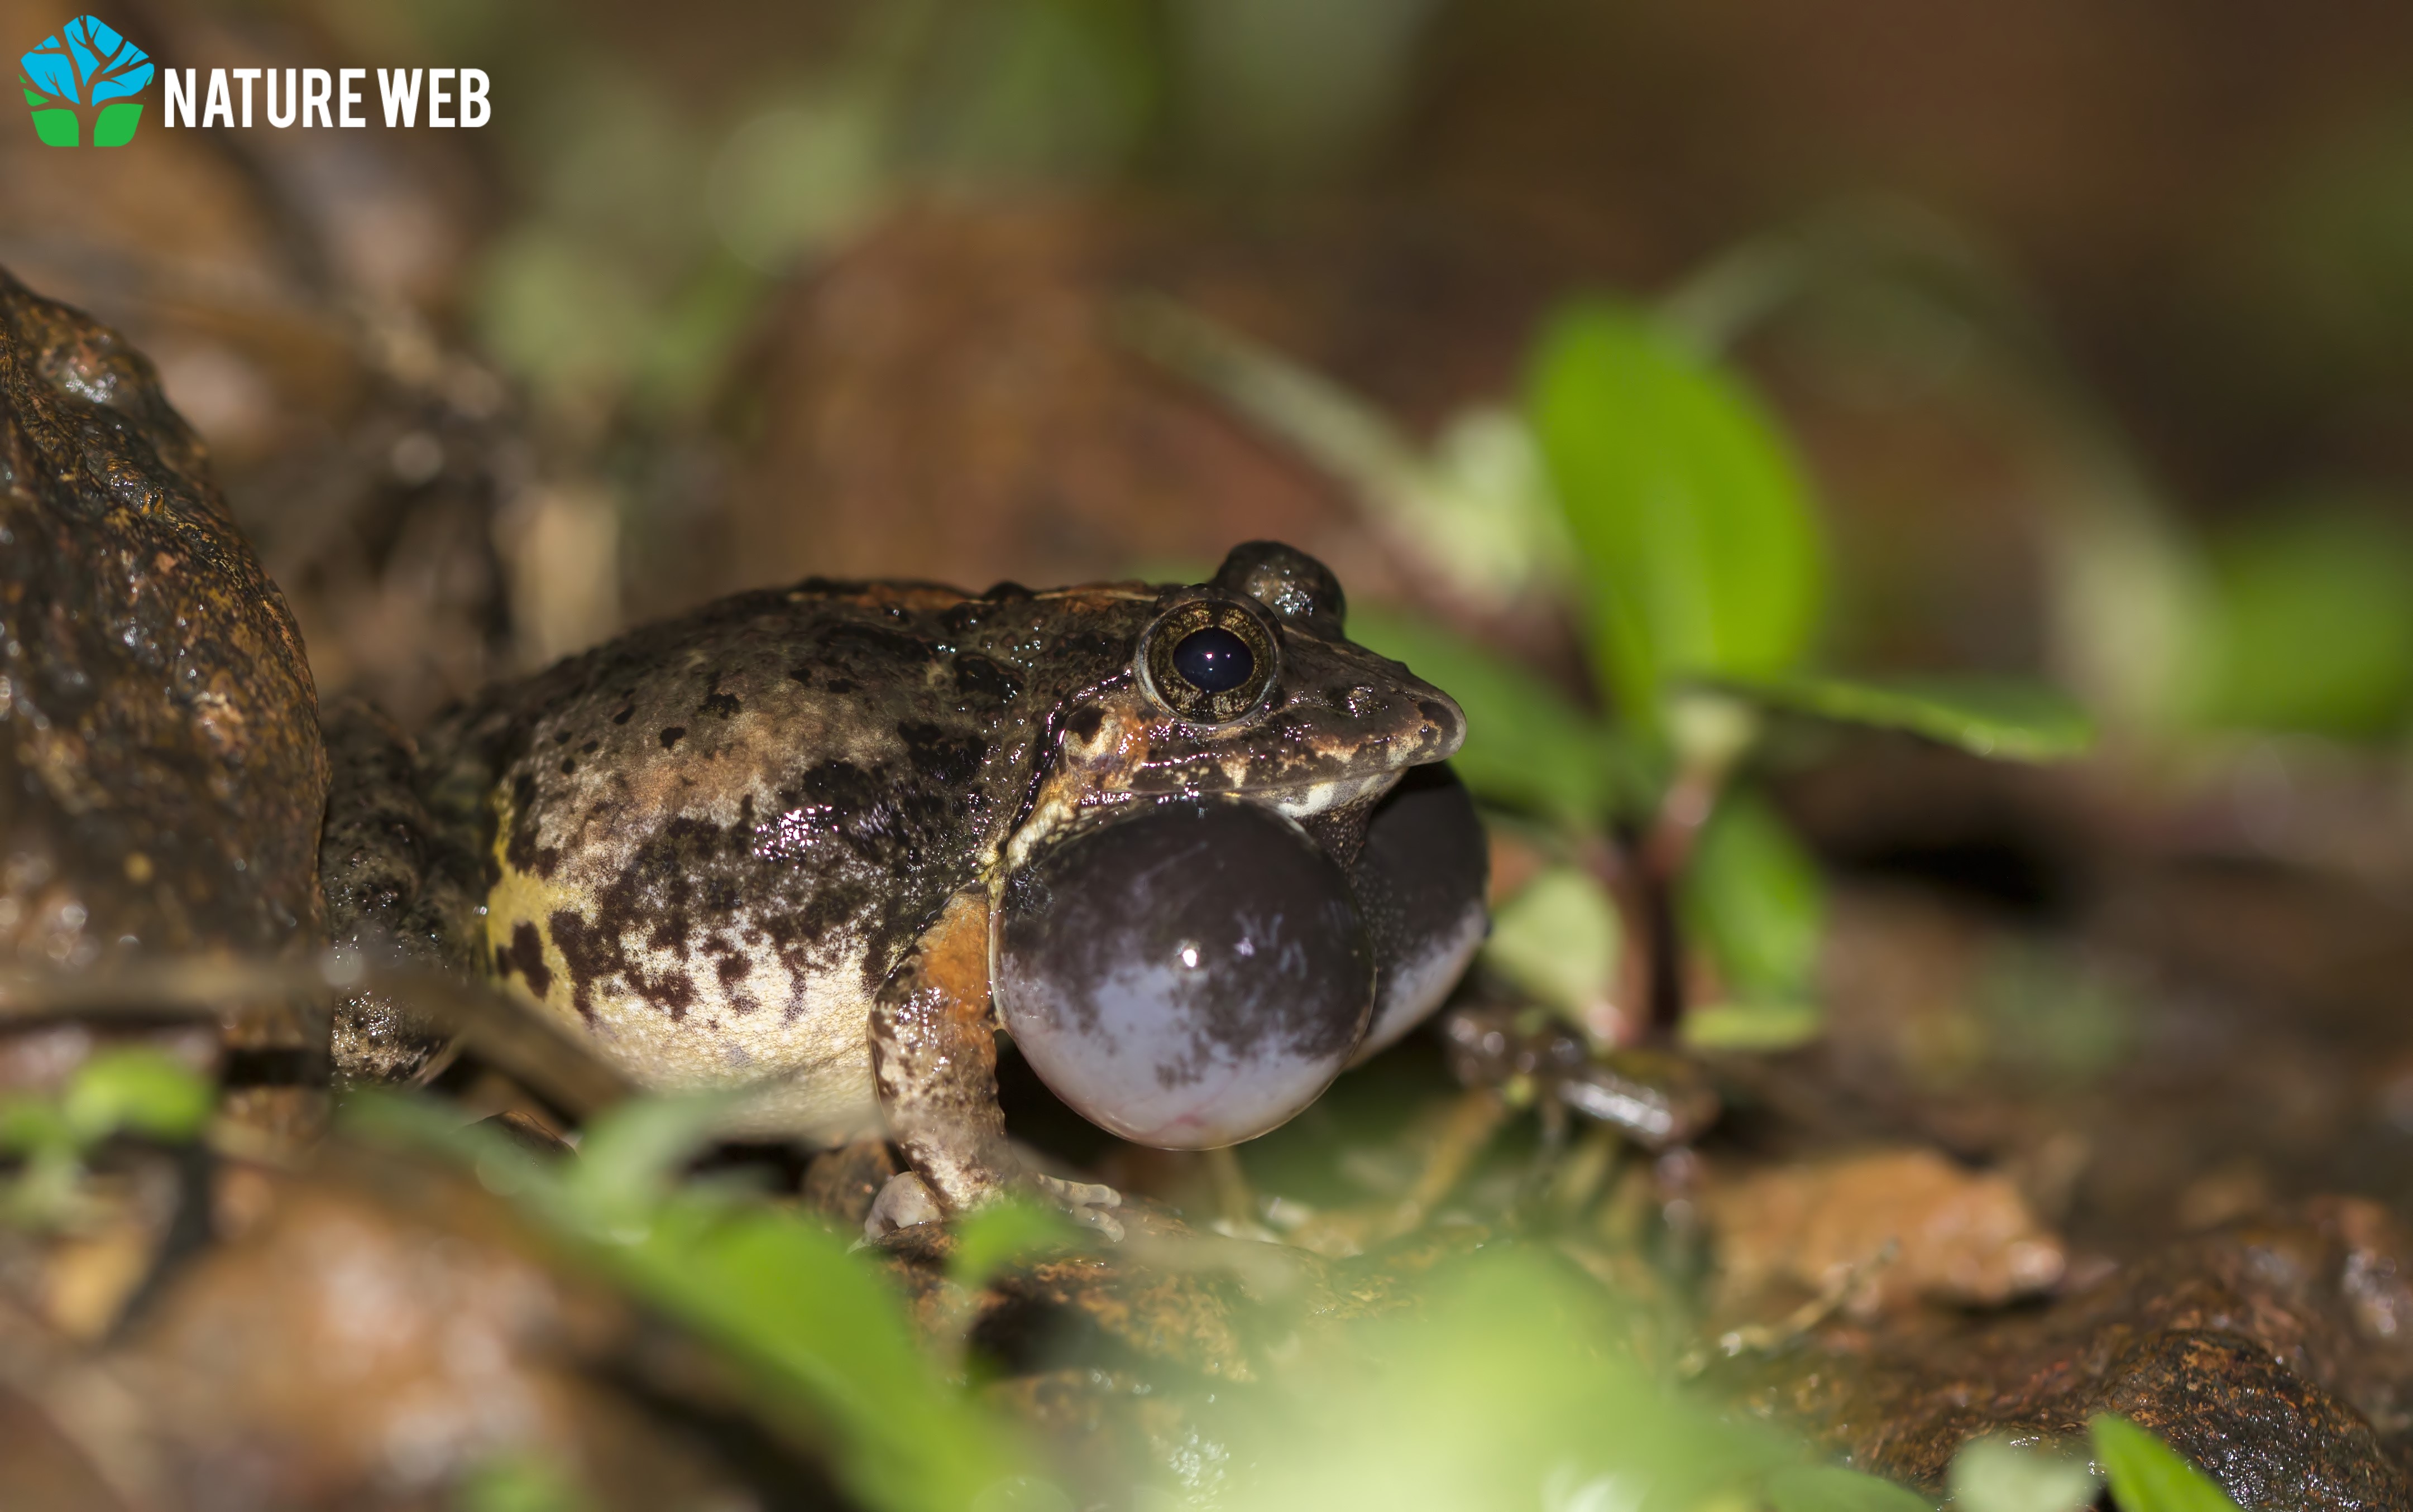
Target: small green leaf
[[1474, 509], [628, 1156], [1002, 1234], [828, 1339], [1754, 897], [1834, 1489], [1527, 745], [29, 1124], [1704, 553], [2315, 624], [137, 1090], [1557, 940], [519, 1483], [1499, 1389], [2148, 1475], [1991, 717], [824, 1340], [1759, 1027], [1992, 1474]]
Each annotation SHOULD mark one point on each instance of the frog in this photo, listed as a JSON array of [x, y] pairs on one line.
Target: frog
[[784, 846]]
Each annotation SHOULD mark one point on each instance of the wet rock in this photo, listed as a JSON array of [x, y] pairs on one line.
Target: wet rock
[[161, 776], [840, 1184], [2276, 1354]]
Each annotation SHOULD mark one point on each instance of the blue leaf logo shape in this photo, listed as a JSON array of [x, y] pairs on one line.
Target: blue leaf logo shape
[[86, 66]]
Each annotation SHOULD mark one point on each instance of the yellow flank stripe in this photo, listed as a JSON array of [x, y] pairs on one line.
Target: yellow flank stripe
[[520, 897]]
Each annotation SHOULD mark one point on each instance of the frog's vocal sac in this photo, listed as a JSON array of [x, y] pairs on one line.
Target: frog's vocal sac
[[1190, 846]]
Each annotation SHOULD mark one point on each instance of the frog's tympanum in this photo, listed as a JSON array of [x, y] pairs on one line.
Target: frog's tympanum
[[822, 842]]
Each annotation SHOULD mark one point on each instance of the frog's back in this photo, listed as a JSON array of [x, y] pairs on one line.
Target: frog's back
[[710, 841]]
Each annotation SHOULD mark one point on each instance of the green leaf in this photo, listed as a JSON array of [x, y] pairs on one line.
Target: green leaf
[[1557, 940], [1992, 1474], [2315, 624], [520, 1483], [1002, 1234], [823, 1338], [628, 1156], [137, 1090], [1527, 745], [29, 1124], [1989, 717], [1756, 1027], [824, 1332], [2148, 1475], [1499, 1389], [1696, 526], [1754, 897], [1475, 508], [1834, 1489]]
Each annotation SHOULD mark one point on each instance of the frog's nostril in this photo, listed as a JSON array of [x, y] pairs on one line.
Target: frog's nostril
[[1214, 660], [1187, 977]]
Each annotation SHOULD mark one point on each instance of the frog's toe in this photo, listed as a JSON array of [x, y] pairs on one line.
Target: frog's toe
[[1086, 1203], [904, 1201]]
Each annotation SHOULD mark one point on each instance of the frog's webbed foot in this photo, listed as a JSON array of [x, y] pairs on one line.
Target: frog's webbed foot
[[1086, 1203], [934, 1063], [907, 1200]]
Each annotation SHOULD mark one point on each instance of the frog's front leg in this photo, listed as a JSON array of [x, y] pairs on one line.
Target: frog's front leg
[[934, 1060]]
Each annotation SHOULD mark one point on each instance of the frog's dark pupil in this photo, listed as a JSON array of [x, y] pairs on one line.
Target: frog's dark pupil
[[1214, 660]]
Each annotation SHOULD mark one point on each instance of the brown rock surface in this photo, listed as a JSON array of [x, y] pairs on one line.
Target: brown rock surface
[[2277, 1353], [161, 776]]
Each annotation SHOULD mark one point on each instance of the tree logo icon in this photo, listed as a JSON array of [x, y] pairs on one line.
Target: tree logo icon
[[85, 72]]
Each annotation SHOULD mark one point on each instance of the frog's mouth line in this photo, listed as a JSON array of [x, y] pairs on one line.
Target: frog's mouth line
[[1300, 800]]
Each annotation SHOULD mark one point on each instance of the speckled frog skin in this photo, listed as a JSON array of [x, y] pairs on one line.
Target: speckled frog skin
[[757, 845]]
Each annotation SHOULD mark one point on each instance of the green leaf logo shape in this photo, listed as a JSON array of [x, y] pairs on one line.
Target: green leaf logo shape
[[85, 75]]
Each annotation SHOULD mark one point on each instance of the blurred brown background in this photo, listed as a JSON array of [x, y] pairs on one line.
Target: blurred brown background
[[746, 292]]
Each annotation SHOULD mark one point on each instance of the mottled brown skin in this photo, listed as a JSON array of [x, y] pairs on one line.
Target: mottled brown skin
[[161, 776], [753, 846], [390, 893]]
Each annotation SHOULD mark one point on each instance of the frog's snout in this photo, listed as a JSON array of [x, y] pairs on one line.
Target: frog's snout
[[1444, 721]]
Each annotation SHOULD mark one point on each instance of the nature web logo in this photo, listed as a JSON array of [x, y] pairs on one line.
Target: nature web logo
[[85, 72]]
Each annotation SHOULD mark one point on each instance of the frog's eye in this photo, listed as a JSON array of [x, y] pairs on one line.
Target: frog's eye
[[1208, 660], [1187, 977]]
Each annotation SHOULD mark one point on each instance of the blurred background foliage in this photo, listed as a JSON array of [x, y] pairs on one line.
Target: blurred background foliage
[[652, 244], [1691, 388]]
